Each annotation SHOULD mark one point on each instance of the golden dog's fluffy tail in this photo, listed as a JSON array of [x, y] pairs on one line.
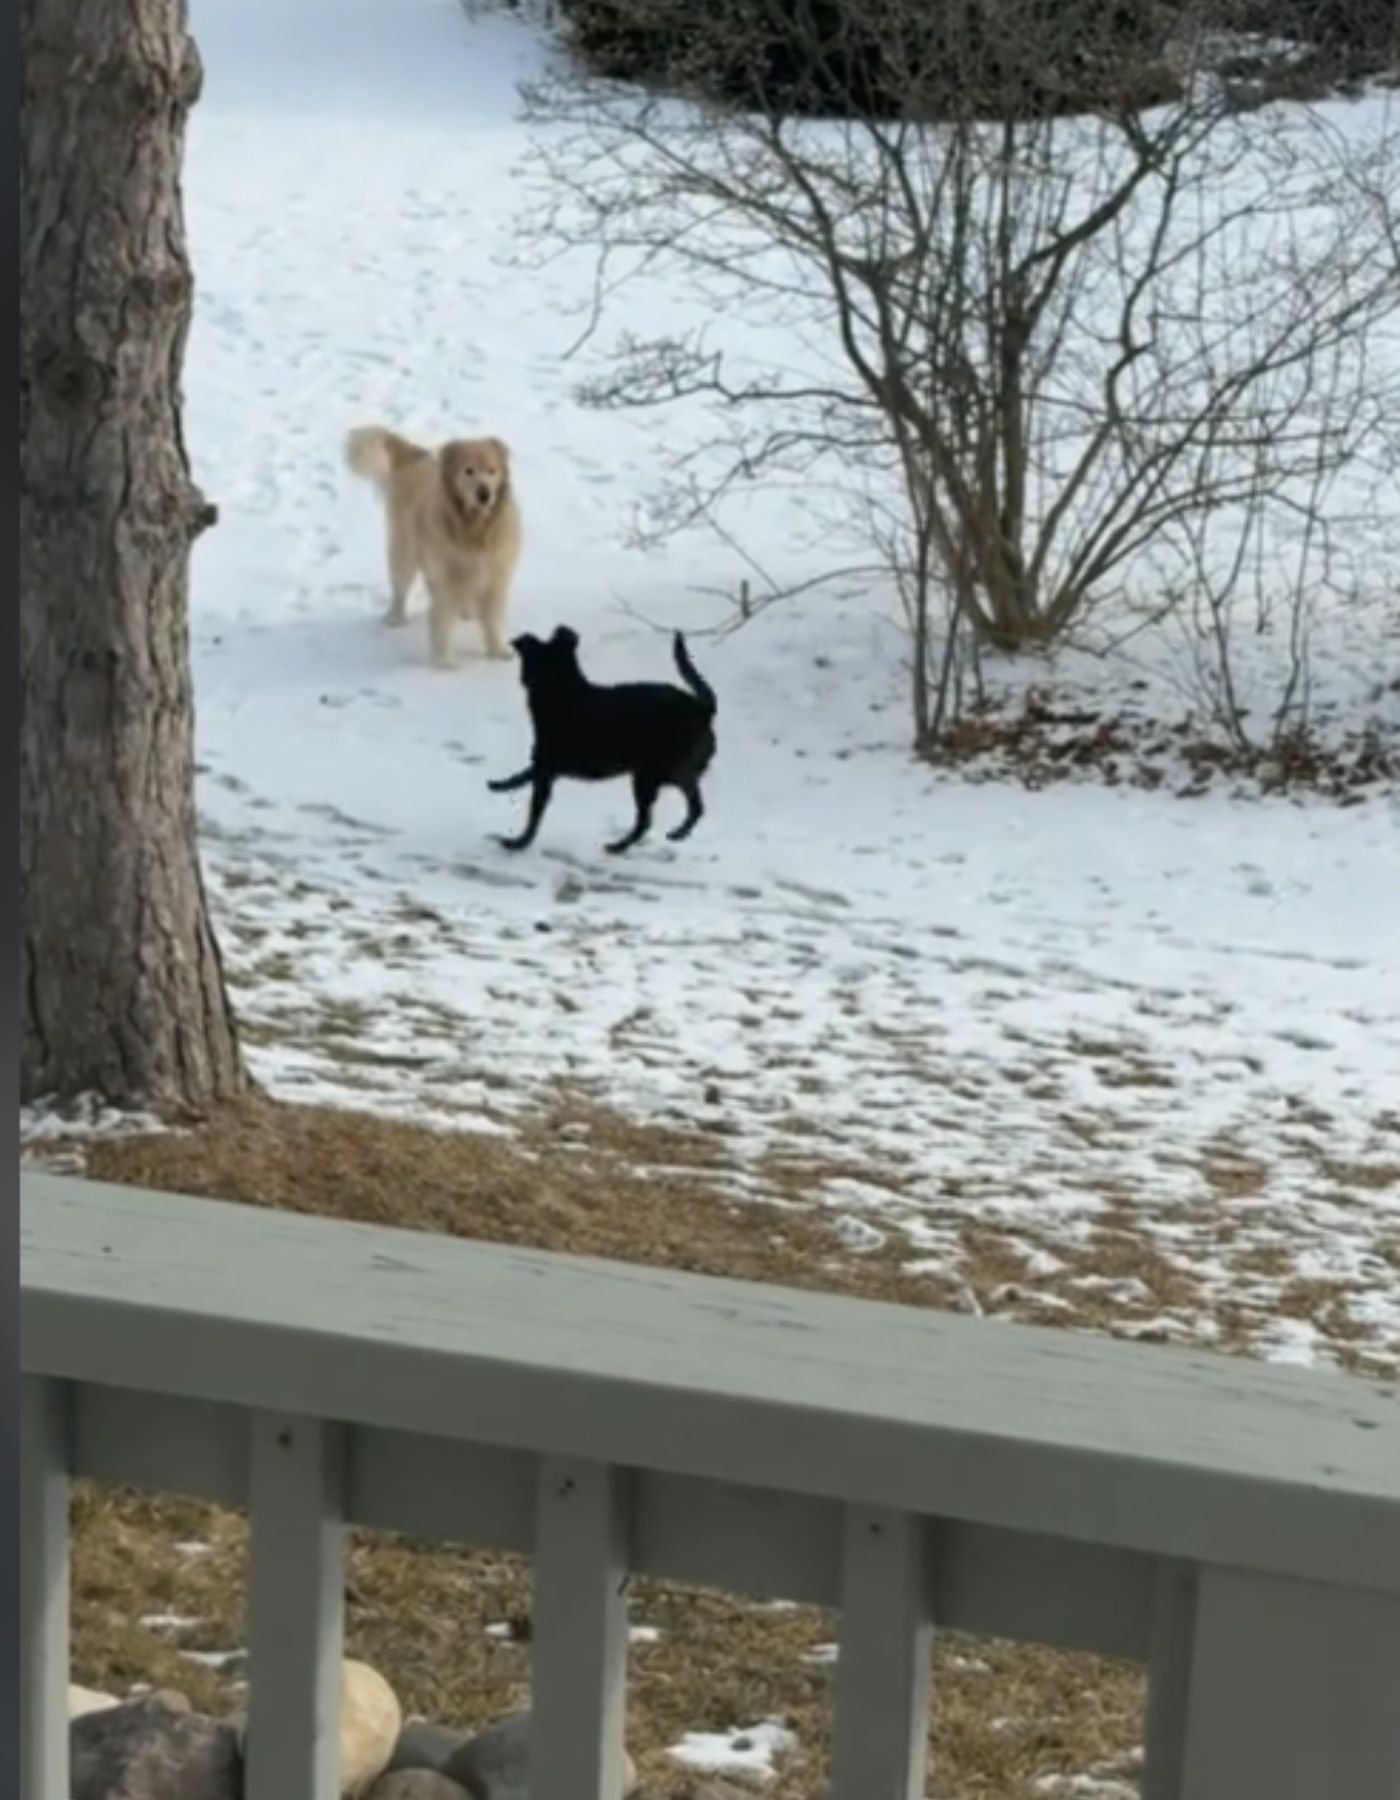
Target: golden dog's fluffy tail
[[374, 452]]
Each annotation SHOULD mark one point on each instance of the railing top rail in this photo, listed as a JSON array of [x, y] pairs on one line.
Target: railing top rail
[[1173, 1451]]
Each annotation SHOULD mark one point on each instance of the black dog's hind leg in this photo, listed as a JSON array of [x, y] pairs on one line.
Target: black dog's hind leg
[[513, 783], [539, 800], [644, 791], [694, 812]]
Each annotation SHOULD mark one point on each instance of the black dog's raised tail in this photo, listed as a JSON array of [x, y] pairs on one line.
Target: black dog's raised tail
[[693, 679]]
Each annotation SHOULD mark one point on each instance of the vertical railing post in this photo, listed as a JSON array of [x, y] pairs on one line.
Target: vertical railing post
[[885, 1661], [296, 1605], [45, 1457], [579, 1631], [1168, 1680], [1293, 1691]]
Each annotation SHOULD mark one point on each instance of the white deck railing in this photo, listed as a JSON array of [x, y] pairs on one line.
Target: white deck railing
[[1235, 1527]]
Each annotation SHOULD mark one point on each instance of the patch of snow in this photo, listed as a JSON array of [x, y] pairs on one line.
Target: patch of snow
[[217, 1660], [1292, 1341], [1085, 1787], [168, 1622], [751, 1751], [858, 1234], [44, 1123]]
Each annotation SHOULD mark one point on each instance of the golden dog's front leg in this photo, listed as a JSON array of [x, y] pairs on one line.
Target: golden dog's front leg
[[441, 612]]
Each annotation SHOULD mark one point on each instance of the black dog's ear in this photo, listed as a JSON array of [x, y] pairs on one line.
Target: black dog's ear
[[526, 641], [566, 636]]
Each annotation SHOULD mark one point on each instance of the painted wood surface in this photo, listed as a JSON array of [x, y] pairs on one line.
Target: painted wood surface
[[1294, 1692], [1236, 1527], [885, 1660], [44, 1586], [713, 1532], [296, 1607], [1170, 1451], [578, 1639]]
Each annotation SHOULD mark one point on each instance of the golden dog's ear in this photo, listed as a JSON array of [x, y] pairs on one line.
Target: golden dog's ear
[[502, 449]]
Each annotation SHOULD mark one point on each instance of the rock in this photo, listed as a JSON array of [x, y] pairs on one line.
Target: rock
[[370, 1721], [423, 1745], [151, 1749], [170, 1698], [495, 1764], [416, 1784], [82, 1701]]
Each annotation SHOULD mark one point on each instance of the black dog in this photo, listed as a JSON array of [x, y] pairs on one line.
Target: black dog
[[656, 733]]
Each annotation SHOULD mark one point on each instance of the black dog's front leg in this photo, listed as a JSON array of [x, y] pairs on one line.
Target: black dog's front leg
[[513, 783], [539, 800], [644, 791]]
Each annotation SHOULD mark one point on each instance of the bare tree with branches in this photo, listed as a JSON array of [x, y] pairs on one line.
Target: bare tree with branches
[[1059, 323]]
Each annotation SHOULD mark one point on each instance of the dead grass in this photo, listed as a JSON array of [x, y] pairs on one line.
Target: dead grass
[[1006, 1715], [577, 1178]]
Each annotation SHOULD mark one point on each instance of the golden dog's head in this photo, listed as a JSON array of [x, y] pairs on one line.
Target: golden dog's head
[[477, 474]]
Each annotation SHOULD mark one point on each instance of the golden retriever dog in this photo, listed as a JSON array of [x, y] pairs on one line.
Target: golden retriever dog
[[453, 519]]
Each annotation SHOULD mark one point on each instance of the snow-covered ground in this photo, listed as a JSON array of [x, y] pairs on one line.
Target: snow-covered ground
[[1073, 1019]]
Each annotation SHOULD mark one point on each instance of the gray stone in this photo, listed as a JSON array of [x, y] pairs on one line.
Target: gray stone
[[423, 1745], [170, 1698], [151, 1749], [495, 1764], [416, 1784]]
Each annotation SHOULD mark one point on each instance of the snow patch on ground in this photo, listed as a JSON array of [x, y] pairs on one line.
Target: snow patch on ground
[[751, 1751], [170, 1622], [1086, 1787], [44, 1126]]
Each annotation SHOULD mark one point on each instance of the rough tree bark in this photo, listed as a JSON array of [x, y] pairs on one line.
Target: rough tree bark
[[121, 985]]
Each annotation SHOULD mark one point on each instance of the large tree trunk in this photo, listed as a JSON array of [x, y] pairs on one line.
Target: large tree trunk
[[121, 985]]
